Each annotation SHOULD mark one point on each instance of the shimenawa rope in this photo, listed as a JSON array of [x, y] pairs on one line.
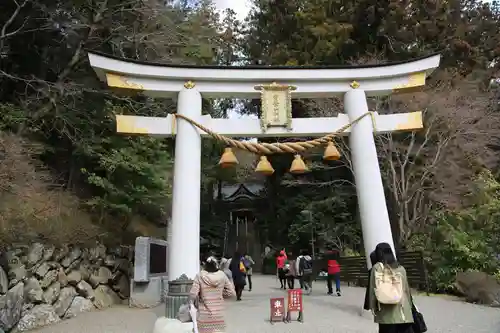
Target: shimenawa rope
[[263, 148]]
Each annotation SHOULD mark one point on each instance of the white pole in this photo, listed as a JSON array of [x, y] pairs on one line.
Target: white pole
[[184, 255], [370, 190]]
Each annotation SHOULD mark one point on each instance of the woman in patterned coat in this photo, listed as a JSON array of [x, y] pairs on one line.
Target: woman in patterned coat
[[210, 287]]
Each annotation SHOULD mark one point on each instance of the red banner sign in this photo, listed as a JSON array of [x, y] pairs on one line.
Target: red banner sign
[[277, 309], [295, 300]]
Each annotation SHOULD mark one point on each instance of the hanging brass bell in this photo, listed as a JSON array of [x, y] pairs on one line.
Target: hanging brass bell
[[298, 166], [228, 159], [264, 167], [331, 152]]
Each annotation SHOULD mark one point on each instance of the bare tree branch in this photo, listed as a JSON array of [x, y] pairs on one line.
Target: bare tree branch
[[3, 32], [414, 165]]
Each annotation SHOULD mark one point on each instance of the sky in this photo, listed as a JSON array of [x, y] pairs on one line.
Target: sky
[[241, 7]]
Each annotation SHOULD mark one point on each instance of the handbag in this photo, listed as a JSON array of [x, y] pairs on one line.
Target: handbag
[[419, 325], [183, 315], [189, 312], [186, 311]]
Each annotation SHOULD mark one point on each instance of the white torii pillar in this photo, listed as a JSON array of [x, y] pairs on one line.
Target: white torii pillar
[[185, 237], [375, 223], [190, 83]]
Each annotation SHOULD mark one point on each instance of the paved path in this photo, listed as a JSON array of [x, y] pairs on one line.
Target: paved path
[[322, 313]]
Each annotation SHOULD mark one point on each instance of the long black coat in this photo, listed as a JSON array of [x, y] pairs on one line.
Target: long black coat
[[239, 277], [373, 259]]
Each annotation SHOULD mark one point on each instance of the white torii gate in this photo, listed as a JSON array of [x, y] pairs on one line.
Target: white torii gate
[[190, 83]]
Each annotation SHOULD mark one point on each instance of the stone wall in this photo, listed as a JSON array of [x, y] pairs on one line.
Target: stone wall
[[42, 285]]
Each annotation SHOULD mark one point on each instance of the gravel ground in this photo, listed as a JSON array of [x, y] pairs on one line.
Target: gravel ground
[[322, 313]]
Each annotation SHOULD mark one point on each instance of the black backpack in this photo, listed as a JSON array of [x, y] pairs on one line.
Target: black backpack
[[307, 266]]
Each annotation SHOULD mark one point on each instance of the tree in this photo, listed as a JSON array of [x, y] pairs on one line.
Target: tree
[[413, 166], [296, 32], [310, 32], [434, 168], [61, 104], [330, 224], [465, 239], [7, 31]]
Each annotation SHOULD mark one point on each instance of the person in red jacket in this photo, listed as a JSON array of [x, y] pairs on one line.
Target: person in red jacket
[[281, 266], [333, 272]]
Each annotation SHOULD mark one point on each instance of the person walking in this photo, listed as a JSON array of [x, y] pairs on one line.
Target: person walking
[[306, 270], [291, 274], [209, 289], [297, 270], [248, 261], [389, 297], [280, 265], [238, 271], [333, 273]]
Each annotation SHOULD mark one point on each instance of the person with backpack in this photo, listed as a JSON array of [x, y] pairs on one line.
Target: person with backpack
[[239, 273], [389, 296], [297, 270], [248, 262], [306, 270], [333, 273]]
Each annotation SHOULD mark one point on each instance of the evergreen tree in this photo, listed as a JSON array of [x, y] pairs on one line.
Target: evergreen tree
[[319, 32]]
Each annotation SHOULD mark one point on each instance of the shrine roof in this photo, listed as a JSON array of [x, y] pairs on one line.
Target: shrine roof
[[260, 67], [232, 192]]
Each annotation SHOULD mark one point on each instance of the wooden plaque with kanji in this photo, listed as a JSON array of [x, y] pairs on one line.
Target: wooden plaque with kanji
[[277, 309], [294, 304]]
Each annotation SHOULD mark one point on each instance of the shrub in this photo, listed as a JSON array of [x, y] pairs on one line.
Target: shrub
[[466, 239]]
